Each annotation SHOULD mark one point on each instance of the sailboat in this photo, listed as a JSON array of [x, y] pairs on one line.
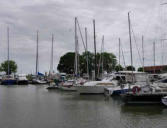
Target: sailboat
[[38, 76], [96, 87], [8, 80], [52, 85], [69, 84]]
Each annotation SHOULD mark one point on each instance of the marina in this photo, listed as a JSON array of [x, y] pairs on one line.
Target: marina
[[34, 106], [75, 64]]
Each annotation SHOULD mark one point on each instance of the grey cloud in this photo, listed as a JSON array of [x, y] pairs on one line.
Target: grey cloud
[[57, 17]]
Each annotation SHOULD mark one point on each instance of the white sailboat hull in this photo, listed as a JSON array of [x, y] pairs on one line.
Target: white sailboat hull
[[36, 81], [72, 88], [91, 89], [95, 87]]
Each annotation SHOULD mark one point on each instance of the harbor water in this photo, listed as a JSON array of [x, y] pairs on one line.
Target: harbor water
[[35, 107]]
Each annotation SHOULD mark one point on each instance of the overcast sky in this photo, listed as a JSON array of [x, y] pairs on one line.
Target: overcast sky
[[25, 17]]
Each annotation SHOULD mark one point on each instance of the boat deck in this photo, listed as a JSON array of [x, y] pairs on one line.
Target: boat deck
[[143, 98], [148, 94]]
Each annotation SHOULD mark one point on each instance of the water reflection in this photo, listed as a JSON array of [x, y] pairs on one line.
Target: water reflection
[[146, 110], [36, 107]]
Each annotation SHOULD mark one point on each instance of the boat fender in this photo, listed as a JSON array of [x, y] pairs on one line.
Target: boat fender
[[136, 89], [81, 82]]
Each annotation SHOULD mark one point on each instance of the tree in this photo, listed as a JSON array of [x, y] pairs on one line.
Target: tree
[[12, 66], [130, 68], [140, 69], [66, 63], [109, 61], [118, 68], [83, 63]]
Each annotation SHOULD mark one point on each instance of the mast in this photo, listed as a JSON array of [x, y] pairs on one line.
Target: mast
[[95, 49], [8, 51], [51, 60], [162, 52], [81, 34], [143, 50], [154, 55], [87, 52], [119, 50], [130, 41], [37, 57], [162, 40], [76, 52], [100, 60], [123, 56], [102, 55], [78, 68]]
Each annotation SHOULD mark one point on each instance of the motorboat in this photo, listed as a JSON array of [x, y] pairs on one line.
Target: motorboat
[[22, 80], [118, 90], [155, 77], [144, 92], [125, 82], [144, 95], [121, 89], [164, 100], [160, 84]]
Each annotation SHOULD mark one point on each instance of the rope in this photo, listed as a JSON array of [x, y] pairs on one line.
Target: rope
[[123, 56], [136, 46], [81, 36]]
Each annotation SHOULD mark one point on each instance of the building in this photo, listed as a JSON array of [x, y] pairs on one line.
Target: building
[[155, 69]]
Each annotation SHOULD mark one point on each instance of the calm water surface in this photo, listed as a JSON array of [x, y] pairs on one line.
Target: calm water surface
[[35, 107]]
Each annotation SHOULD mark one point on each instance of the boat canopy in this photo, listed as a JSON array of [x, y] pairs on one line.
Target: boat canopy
[[40, 74]]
